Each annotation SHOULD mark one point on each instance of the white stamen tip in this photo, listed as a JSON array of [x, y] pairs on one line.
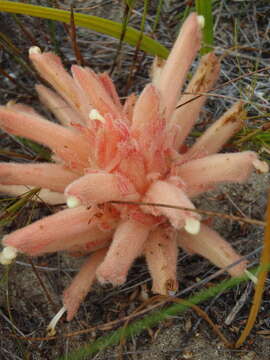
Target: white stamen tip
[[201, 21], [34, 50], [8, 254], [252, 277], [260, 166], [51, 327], [95, 115], [73, 201], [192, 226]]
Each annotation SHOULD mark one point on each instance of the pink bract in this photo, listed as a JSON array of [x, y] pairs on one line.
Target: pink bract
[[105, 150]]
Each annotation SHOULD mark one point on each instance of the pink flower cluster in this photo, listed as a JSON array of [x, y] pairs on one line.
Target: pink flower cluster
[[107, 151]]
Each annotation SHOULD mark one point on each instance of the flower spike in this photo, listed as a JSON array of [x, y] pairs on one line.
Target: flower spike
[[108, 158]]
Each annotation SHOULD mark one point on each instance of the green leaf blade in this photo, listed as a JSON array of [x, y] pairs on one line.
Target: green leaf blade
[[204, 7], [104, 26]]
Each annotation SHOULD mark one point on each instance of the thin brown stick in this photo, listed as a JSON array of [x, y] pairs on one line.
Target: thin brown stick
[[73, 36], [14, 81], [126, 16], [202, 314], [199, 211], [265, 260], [155, 302], [226, 83], [54, 306]]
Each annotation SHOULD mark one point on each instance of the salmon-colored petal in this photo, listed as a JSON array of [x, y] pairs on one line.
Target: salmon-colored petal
[[110, 88], [146, 115], [76, 292], [96, 94], [51, 233], [213, 139], [185, 116], [127, 245], [90, 241], [51, 176], [84, 248], [218, 168], [209, 244], [148, 128], [162, 192], [79, 245], [102, 187], [63, 112], [111, 142], [128, 107], [69, 146], [50, 67], [161, 257], [132, 165], [175, 70], [12, 105]]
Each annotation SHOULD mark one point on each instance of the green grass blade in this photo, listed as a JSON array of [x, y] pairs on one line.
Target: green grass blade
[[104, 26], [40, 151], [151, 320], [125, 20], [204, 7], [9, 213], [158, 13]]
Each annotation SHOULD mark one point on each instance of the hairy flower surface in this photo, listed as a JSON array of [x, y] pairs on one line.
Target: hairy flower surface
[[107, 151]]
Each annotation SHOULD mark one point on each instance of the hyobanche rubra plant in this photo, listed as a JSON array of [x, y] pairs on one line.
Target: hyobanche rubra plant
[[107, 151]]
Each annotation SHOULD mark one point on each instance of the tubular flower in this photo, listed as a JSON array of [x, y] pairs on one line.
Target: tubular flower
[[105, 151]]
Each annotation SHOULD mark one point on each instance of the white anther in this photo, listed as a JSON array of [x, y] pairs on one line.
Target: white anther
[[73, 202], [51, 327], [34, 50], [192, 225], [201, 21], [260, 166], [252, 277], [8, 254], [95, 115]]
